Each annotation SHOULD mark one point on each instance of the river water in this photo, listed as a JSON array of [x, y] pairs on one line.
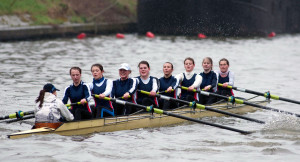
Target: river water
[[260, 64]]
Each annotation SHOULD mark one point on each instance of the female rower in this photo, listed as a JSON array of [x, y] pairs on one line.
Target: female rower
[[124, 89], [78, 92], [209, 81], [102, 87], [147, 83], [225, 77], [189, 79], [168, 85], [49, 110]]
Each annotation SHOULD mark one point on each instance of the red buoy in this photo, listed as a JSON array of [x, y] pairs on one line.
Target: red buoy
[[150, 35], [120, 36], [81, 36], [202, 36], [272, 34]]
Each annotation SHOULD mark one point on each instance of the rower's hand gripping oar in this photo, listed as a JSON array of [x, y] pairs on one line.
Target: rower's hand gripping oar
[[165, 91], [199, 106], [232, 99], [18, 115], [72, 104], [267, 94], [159, 111]]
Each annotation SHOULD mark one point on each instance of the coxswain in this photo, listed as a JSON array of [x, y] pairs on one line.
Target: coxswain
[[50, 111]]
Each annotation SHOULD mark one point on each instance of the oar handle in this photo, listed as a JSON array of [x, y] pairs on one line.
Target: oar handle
[[98, 96], [75, 103], [221, 85], [144, 92], [186, 88], [165, 91]]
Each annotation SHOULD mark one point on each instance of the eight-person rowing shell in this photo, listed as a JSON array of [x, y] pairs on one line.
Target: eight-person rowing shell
[[122, 96]]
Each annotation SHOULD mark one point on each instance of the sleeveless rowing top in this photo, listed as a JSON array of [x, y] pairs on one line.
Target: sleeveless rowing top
[[146, 87], [165, 83], [99, 88], [224, 91], [186, 83]]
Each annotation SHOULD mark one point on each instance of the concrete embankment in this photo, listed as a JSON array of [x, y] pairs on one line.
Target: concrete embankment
[[54, 31]]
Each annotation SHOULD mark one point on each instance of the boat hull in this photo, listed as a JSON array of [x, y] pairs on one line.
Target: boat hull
[[144, 120]]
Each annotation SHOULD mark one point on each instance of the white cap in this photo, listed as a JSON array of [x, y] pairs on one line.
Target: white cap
[[125, 66]]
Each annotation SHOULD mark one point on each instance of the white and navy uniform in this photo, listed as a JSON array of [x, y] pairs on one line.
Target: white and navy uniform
[[75, 94], [228, 79], [102, 86], [164, 84], [52, 110], [120, 87], [150, 84], [188, 79], [208, 79]]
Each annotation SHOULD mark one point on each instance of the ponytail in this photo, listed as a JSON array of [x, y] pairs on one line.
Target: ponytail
[[40, 98]]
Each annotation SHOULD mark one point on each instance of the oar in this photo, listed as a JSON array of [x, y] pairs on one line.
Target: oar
[[72, 104], [199, 106], [20, 119], [165, 91], [239, 101], [267, 95], [159, 111], [18, 114]]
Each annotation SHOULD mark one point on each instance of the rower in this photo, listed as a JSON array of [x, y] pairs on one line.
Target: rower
[[189, 79], [209, 81], [168, 85], [123, 89], [147, 83], [102, 87], [78, 92], [226, 78], [50, 110]]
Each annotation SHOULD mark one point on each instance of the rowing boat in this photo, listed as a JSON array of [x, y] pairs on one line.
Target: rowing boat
[[135, 121]]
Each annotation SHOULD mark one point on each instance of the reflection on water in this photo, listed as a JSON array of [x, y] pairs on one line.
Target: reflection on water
[[259, 64]]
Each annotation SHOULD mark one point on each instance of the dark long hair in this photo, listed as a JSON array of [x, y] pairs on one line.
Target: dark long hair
[[40, 98]]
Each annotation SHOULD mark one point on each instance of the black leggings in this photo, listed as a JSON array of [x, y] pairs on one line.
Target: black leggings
[[80, 113]]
